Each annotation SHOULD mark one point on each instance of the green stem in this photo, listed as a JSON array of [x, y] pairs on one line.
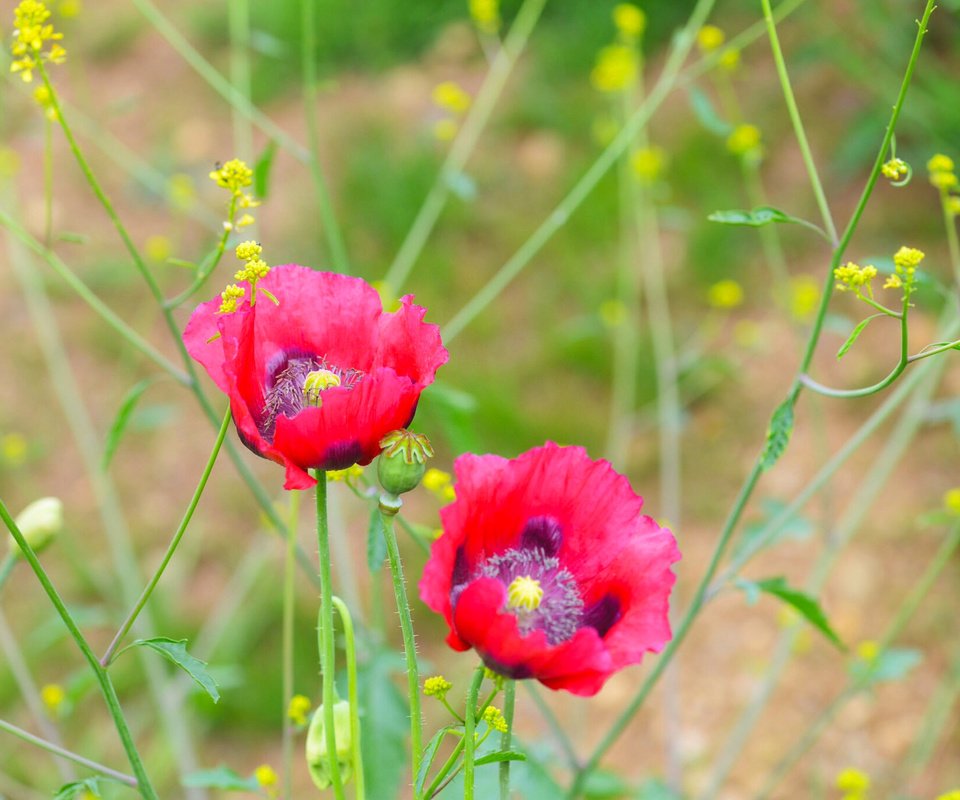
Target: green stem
[[553, 724], [106, 687], [950, 225], [308, 32], [181, 530], [208, 265], [328, 653], [352, 695], [409, 642], [47, 181], [463, 146], [289, 597], [238, 21], [509, 701], [50, 747], [558, 218], [469, 733], [798, 128], [7, 567]]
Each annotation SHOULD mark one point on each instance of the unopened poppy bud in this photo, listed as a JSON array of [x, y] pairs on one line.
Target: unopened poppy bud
[[403, 461], [39, 522], [318, 762]]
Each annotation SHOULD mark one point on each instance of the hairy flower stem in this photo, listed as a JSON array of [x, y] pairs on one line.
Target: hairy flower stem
[[171, 549], [464, 144], [409, 642], [328, 653], [57, 750], [106, 687], [753, 477], [350, 653], [509, 701], [470, 734], [289, 596]]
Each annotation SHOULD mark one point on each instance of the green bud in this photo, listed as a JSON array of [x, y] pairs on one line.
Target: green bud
[[317, 761], [403, 461], [39, 522]]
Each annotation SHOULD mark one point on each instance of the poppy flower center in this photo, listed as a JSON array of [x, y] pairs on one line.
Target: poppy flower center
[[526, 572], [299, 382]]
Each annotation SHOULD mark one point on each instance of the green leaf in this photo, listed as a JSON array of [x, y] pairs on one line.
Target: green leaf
[[124, 413], [856, 334], [532, 780], [890, 665], [778, 434], [706, 114], [220, 778], [261, 170], [70, 791], [429, 754], [376, 543], [383, 731], [794, 527], [655, 789], [760, 216], [604, 784], [175, 650], [803, 603], [73, 238], [502, 755]]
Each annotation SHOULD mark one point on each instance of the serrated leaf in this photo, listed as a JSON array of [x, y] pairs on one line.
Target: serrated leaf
[[376, 543], [706, 114], [261, 170], [801, 602], [855, 334], [429, 754], [175, 651], [502, 755], [892, 664], [119, 426], [220, 778], [76, 789], [778, 435]]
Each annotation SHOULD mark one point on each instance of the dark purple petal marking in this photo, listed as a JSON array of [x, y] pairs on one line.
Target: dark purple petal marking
[[517, 671], [603, 614], [543, 533], [341, 455]]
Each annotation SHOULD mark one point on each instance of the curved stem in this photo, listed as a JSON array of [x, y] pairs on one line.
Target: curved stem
[[289, 573], [328, 653], [181, 530], [469, 733], [106, 687], [352, 695], [409, 642], [509, 701], [204, 272], [76, 758]]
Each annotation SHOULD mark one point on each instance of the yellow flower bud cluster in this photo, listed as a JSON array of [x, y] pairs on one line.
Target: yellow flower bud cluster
[[31, 34], [745, 141], [725, 294], [905, 262], [615, 69], [440, 483], [345, 475], [853, 783], [437, 686], [486, 15], [235, 176], [229, 298], [710, 38], [648, 163], [297, 709], [253, 269], [942, 173], [454, 101], [493, 716], [630, 21], [896, 169], [852, 277]]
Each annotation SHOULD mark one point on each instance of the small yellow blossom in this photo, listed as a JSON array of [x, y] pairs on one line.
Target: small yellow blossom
[[253, 271], [230, 297], [53, 697], [445, 129], [158, 247], [437, 686], [265, 776], [439, 483], [31, 33], [493, 716], [348, 474], [615, 68], [952, 203], [244, 221], [235, 175], [298, 708], [13, 448], [648, 163], [613, 313], [893, 282], [804, 296], [868, 651], [940, 163], [951, 500], [850, 277], [908, 257], [247, 251], [44, 98], [450, 96], [895, 169], [729, 59], [953, 795], [725, 294], [744, 140], [486, 15], [709, 38], [630, 20], [944, 180], [853, 781]]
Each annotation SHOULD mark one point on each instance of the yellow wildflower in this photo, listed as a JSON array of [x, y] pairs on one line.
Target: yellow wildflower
[[439, 483], [235, 175], [895, 169], [348, 474], [53, 697], [31, 34], [229, 298], [437, 686], [725, 294], [729, 59], [451, 97], [709, 38], [267, 778], [940, 163], [298, 708], [247, 251], [13, 448], [630, 20], [648, 163], [951, 500], [953, 205], [944, 180], [868, 651], [615, 68], [744, 140], [908, 257], [893, 282], [486, 15], [244, 221], [493, 716], [853, 781], [850, 277]]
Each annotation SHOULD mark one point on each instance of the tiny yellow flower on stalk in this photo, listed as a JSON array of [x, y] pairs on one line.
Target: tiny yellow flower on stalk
[[235, 176], [13, 448], [437, 686], [944, 180], [895, 169], [725, 294], [804, 296], [30, 35], [744, 140], [709, 38], [247, 251], [952, 795], [951, 500], [44, 99], [850, 277], [853, 781], [940, 163], [893, 282], [493, 716], [297, 709], [451, 97], [486, 15], [440, 483], [631, 22], [229, 298], [868, 651], [648, 163], [267, 778], [348, 474], [615, 69], [952, 203], [729, 59], [53, 697]]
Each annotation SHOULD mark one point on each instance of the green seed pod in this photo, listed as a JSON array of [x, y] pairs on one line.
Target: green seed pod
[[39, 522], [318, 763], [403, 461]]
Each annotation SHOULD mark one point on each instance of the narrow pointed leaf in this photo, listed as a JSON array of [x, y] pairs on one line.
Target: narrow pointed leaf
[[807, 606], [175, 650], [261, 170], [503, 755], [778, 434], [760, 216], [855, 334], [429, 754], [119, 426]]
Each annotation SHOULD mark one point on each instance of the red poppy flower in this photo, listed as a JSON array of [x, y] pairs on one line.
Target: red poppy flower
[[548, 570], [363, 369]]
